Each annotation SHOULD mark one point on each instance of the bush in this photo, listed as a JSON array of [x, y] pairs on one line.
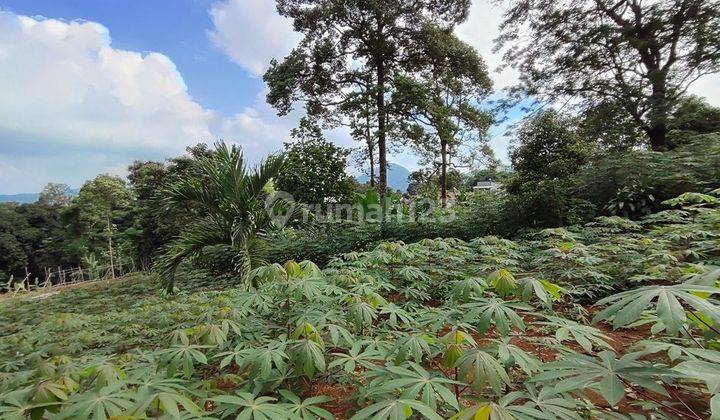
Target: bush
[[486, 214], [319, 242], [644, 179]]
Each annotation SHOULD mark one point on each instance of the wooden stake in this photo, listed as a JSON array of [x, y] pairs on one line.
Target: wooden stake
[[112, 265]]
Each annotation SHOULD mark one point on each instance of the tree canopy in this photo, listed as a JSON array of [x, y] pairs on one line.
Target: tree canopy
[[354, 50], [639, 56], [315, 169], [441, 101]]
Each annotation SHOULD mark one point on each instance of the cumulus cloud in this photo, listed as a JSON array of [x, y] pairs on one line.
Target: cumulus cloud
[[67, 91], [251, 33], [259, 133], [64, 85]]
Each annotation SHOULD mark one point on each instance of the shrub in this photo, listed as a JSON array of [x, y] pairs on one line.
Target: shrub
[[695, 166]]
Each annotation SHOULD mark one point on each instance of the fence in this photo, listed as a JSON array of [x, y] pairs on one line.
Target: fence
[[62, 277]]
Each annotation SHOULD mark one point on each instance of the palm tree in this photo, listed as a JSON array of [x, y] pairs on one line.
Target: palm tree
[[234, 212]]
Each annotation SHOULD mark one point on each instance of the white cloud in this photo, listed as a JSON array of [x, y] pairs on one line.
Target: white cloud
[[709, 88], [64, 85], [258, 134], [66, 93], [251, 33], [480, 30], [260, 131]]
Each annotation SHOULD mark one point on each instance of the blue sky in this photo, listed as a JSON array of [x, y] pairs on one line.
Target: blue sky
[[88, 86], [176, 28]]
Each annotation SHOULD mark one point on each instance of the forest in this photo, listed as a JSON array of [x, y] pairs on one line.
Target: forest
[[579, 281]]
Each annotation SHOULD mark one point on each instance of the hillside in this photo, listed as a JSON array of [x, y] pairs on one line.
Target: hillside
[[505, 313]]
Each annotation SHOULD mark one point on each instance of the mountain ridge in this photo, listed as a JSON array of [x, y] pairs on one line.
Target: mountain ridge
[[27, 198], [397, 177]]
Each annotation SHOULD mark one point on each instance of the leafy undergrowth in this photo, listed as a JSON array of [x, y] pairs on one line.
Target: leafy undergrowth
[[616, 319]]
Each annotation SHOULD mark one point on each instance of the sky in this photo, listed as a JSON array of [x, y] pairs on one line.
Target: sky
[[89, 86]]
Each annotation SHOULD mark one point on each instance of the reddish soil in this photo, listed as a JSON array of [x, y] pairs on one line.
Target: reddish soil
[[621, 340], [342, 405], [224, 384]]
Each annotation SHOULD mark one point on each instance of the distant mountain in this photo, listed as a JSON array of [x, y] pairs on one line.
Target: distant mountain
[[397, 177], [19, 198], [27, 197]]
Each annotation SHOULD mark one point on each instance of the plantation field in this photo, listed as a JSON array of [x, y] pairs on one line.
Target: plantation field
[[614, 319]]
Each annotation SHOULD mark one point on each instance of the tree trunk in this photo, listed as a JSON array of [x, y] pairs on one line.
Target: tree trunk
[[372, 166], [380, 102], [443, 173], [658, 115], [658, 137], [382, 156], [110, 248], [371, 148]]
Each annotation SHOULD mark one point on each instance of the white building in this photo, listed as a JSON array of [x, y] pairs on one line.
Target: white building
[[487, 186]]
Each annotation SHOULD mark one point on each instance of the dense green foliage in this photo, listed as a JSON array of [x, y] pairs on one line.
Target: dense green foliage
[[586, 287], [632, 176], [315, 170], [355, 57], [235, 204], [433, 329], [615, 183], [559, 181], [69, 232], [626, 183], [51, 234], [549, 151], [637, 59]]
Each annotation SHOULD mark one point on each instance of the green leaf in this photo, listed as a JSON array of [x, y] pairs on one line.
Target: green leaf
[[627, 307], [503, 282], [484, 411], [612, 389], [703, 371], [395, 409], [479, 369], [501, 313]]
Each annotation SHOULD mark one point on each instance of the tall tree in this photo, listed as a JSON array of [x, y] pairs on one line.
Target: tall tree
[[440, 99], [642, 56], [15, 237], [610, 127], [55, 195], [150, 223], [102, 208], [695, 116], [425, 183], [548, 147], [353, 48], [33, 237], [363, 128]]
